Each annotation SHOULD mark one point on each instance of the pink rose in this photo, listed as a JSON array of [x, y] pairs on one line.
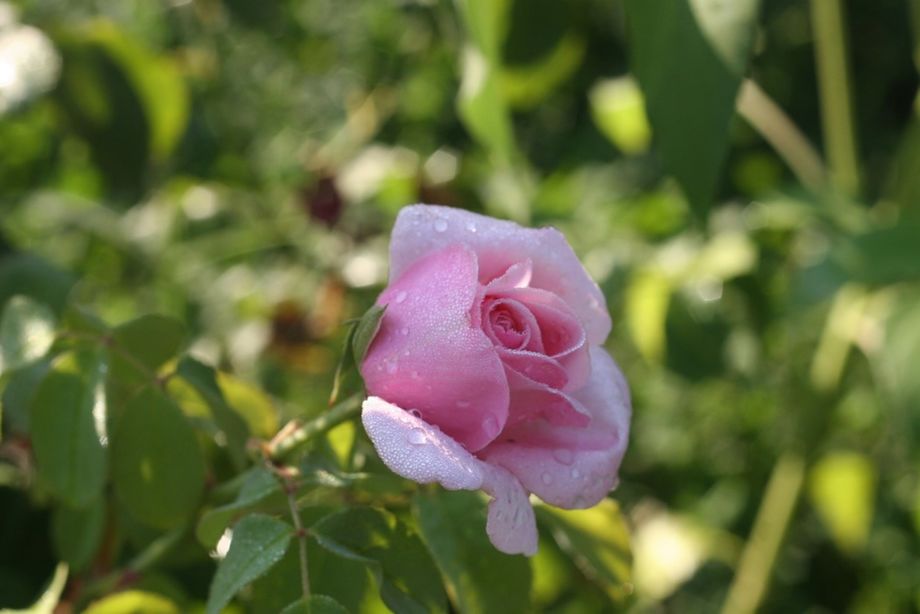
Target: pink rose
[[488, 370]]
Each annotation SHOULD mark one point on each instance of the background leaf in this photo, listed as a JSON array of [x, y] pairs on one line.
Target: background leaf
[[315, 604], [689, 57]]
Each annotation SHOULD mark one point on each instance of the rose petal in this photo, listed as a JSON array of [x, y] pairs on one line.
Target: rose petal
[[428, 357], [531, 400], [518, 275], [420, 452], [511, 524], [423, 229], [572, 467]]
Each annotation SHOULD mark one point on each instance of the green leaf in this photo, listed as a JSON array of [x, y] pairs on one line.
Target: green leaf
[[479, 578], [689, 57], [251, 403], [597, 539], [133, 602], [204, 380], [258, 543], [77, 533], [261, 490], [49, 599], [406, 578], [70, 458], [158, 467], [315, 604], [26, 332], [140, 348], [367, 328], [897, 363]]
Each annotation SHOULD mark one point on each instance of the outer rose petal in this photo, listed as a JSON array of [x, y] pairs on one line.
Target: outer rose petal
[[427, 355], [571, 467], [423, 229], [420, 452]]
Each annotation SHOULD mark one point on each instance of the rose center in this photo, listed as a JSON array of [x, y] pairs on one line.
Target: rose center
[[506, 323]]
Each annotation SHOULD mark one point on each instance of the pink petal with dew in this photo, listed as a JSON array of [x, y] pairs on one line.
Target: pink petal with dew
[[420, 452], [428, 357], [423, 229], [572, 467]]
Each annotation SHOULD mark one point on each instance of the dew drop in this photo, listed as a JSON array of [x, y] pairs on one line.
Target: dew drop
[[404, 331], [416, 413], [440, 225], [490, 426], [575, 473], [463, 403], [400, 296], [564, 456], [392, 367], [416, 437], [471, 226], [415, 375], [547, 479]]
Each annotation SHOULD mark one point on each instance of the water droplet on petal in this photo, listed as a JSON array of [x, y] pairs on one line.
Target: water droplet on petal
[[404, 331], [490, 426], [392, 366], [400, 296], [416, 413], [471, 226], [440, 225], [463, 403], [547, 479], [417, 437], [415, 375], [564, 456], [575, 473]]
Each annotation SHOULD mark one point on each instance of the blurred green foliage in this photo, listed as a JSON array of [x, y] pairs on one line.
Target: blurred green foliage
[[741, 178]]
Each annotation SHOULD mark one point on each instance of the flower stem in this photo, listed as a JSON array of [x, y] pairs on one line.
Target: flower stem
[[759, 555], [289, 440]]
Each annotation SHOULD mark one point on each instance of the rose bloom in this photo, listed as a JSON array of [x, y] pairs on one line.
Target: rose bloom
[[488, 370]]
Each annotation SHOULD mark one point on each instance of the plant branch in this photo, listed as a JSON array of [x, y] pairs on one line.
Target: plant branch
[[782, 134], [759, 555], [292, 438]]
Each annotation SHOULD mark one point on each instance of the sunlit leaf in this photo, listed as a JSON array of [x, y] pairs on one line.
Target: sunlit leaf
[[26, 332], [139, 348], [479, 578], [842, 489], [157, 465], [689, 57], [133, 602], [235, 430], [256, 407], [259, 542], [597, 539], [618, 109], [647, 299], [48, 601], [70, 457]]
